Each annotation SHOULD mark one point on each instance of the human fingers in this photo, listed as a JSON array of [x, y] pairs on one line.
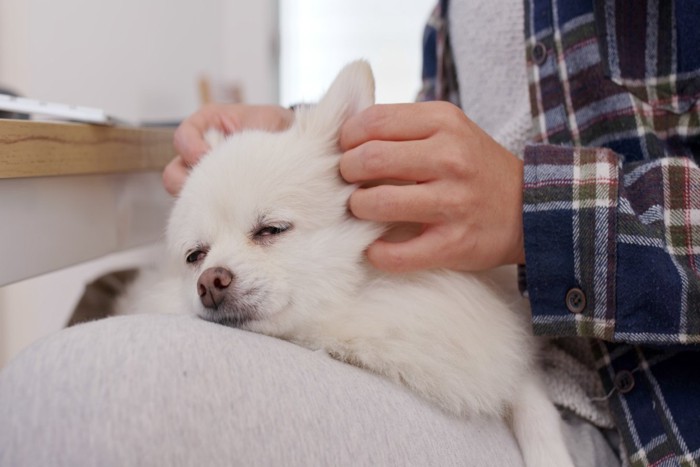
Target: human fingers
[[425, 251], [174, 175], [396, 122], [266, 117], [391, 203], [189, 137], [395, 160]]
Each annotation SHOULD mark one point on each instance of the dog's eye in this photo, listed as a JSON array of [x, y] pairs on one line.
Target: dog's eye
[[270, 230], [196, 256]]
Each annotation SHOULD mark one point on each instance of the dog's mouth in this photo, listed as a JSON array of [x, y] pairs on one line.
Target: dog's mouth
[[235, 317], [230, 321]]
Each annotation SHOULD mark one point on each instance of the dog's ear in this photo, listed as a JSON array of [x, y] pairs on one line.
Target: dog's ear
[[351, 92]]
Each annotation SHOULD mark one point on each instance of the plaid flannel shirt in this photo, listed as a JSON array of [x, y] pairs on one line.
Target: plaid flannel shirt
[[612, 201]]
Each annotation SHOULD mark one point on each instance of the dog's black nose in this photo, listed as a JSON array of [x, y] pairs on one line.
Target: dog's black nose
[[212, 286]]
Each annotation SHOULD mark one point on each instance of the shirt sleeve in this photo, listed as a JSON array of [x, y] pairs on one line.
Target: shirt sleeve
[[612, 249]]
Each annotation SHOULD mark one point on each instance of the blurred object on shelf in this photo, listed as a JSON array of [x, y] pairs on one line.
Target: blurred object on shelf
[[11, 114], [219, 92]]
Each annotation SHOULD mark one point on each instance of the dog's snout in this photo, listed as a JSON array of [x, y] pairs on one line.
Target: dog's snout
[[212, 286]]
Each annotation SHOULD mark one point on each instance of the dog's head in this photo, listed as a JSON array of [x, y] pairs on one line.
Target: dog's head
[[261, 232]]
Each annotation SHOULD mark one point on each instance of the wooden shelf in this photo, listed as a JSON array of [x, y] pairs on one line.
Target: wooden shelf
[[38, 149]]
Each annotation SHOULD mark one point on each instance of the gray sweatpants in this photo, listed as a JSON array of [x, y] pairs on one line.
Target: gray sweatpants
[[156, 390]]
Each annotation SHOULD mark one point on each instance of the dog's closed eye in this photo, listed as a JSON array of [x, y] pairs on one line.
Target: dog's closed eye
[[195, 256], [265, 233]]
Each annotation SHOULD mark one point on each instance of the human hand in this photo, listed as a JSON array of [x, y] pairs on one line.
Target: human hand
[[467, 195], [189, 137]]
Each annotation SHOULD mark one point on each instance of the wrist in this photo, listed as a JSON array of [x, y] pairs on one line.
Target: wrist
[[517, 249]]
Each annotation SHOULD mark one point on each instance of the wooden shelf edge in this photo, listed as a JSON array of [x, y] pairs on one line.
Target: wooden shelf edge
[[40, 149]]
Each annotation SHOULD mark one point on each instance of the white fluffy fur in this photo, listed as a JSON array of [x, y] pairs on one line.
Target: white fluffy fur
[[449, 336]]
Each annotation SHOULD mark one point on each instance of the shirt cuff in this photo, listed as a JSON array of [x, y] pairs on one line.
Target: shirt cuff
[[569, 217]]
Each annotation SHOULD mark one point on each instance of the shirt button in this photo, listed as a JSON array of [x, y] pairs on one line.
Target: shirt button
[[576, 300], [624, 381], [539, 53]]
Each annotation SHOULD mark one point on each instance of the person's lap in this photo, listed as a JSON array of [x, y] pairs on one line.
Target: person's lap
[[165, 390]]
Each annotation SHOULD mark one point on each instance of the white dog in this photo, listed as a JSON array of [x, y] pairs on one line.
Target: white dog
[[262, 240]]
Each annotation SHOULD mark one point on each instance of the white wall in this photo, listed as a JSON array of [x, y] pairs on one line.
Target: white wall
[[249, 45], [318, 37], [138, 60]]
